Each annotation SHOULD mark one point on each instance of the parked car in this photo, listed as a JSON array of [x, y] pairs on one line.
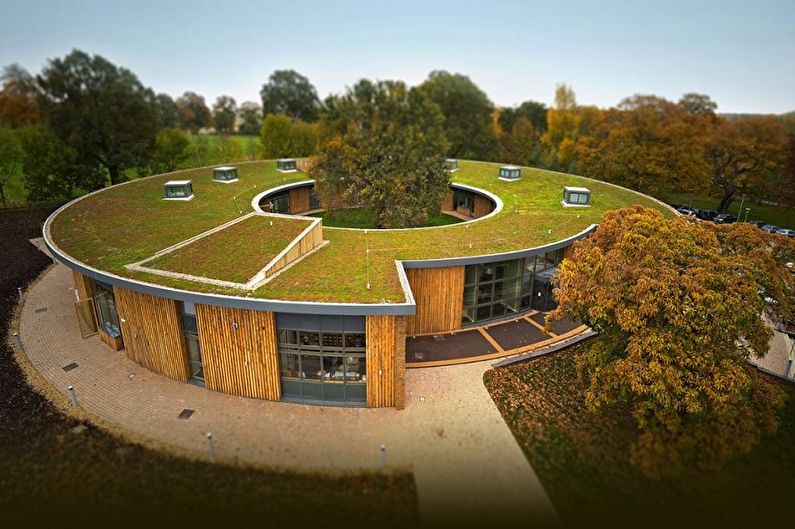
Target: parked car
[[684, 210], [706, 214], [786, 231], [758, 223], [769, 228], [725, 218]]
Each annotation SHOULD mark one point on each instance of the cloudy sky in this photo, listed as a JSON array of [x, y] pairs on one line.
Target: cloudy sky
[[740, 53]]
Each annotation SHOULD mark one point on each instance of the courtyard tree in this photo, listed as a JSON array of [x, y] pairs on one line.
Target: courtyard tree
[[100, 110], [224, 114], [193, 112], [743, 154], [250, 115], [467, 112], [290, 93], [383, 149], [679, 307]]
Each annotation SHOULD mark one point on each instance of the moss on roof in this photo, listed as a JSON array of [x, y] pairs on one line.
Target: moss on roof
[[129, 223]]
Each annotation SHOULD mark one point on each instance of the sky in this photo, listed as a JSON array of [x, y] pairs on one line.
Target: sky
[[742, 54]]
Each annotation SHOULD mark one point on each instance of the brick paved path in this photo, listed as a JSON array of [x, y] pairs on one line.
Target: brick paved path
[[466, 462]]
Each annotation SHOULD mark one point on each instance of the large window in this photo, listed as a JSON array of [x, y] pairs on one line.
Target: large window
[[497, 290], [464, 202], [190, 330], [278, 203], [106, 309], [323, 359]]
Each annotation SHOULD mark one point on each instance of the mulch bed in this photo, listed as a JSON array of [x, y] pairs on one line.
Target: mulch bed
[[56, 471]]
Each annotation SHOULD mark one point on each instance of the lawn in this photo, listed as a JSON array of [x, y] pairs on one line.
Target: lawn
[[361, 218], [54, 476], [129, 223], [255, 241], [778, 216], [582, 459]]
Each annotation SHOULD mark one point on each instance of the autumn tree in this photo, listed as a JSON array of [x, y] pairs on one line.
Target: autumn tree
[[743, 153], [250, 115], [383, 149], [567, 124], [99, 109], [193, 112], [648, 144], [224, 114], [290, 93], [787, 198], [698, 104], [679, 308], [467, 115], [18, 105]]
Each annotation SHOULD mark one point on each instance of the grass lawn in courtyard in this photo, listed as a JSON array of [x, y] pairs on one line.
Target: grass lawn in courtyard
[[778, 216], [582, 459], [362, 218]]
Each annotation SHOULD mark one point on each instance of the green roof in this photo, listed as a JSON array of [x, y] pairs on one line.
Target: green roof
[[129, 223]]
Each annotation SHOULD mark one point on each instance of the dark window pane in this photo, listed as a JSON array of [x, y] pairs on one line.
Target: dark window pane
[[310, 340], [310, 367], [484, 293], [288, 337], [333, 340], [355, 340], [484, 312]]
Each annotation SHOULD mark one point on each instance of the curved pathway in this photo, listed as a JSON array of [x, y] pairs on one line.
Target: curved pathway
[[466, 463]]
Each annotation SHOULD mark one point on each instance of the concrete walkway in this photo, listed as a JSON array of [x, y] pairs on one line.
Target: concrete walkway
[[466, 462]]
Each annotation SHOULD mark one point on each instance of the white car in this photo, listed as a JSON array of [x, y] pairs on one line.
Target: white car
[[786, 231]]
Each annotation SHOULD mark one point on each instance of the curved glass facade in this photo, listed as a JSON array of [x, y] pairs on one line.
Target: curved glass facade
[[499, 289]]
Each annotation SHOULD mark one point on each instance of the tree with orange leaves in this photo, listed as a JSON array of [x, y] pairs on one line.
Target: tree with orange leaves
[[679, 308]]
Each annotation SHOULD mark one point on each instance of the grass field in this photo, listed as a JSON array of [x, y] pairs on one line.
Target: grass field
[[128, 223], [778, 216], [582, 459], [361, 218]]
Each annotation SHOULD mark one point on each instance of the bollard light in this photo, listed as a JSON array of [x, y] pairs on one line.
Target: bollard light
[[210, 445], [19, 290], [72, 395], [383, 457], [18, 341]]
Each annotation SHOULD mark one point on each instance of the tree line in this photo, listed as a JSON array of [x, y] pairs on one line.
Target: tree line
[[84, 122]]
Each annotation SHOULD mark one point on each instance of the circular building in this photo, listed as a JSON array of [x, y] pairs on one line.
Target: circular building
[[228, 279]]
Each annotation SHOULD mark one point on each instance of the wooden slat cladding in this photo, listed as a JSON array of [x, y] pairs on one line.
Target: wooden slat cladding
[[483, 206], [439, 295], [447, 201], [83, 285], [299, 200], [386, 360], [239, 353], [306, 244], [152, 331]]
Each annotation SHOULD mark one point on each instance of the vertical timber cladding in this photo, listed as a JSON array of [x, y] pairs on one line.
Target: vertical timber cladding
[[439, 296], [83, 286], [239, 352], [299, 199], [305, 244], [152, 330], [483, 206], [386, 361]]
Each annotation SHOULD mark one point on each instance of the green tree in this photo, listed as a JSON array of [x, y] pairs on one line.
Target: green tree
[[467, 114], [275, 136], [383, 149], [533, 111], [250, 114], [171, 150], [10, 158], [167, 111], [519, 144], [51, 170], [679, 310], [193, 112], [100, 110], [290, 93], [303, 139], [698, 104], [229, 150], [224, 114]]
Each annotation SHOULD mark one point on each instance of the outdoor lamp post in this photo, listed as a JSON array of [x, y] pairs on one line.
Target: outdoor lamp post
[[747, 211]]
